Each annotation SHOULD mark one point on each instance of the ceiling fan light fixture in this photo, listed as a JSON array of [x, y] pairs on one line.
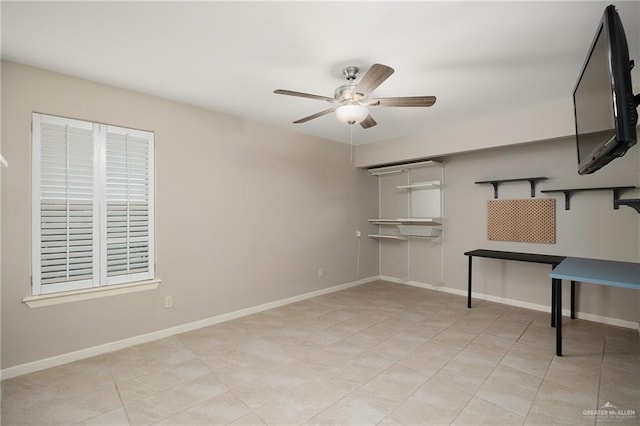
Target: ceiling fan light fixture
[[352, 113]]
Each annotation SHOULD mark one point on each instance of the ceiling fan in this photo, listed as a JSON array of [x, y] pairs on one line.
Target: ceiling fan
[[352, 100]]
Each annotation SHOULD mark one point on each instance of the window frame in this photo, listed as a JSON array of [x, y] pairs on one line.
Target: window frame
[[99, 213]]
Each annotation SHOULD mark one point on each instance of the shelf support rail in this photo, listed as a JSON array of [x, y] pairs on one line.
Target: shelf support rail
[[616, 194], [495, 182]]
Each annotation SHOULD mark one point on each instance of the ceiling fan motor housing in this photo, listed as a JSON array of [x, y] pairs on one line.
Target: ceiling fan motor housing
[[347, 93]]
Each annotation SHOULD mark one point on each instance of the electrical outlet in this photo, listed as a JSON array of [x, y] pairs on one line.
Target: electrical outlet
[[358, 234], [320, 272], [168, 301]]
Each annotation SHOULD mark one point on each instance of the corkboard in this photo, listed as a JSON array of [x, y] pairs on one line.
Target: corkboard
[[524, 221]]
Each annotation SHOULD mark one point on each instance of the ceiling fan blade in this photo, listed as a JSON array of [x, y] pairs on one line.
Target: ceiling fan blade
[[377, 74], [303, 95], [409, 101], [368, 122], [316, 115]]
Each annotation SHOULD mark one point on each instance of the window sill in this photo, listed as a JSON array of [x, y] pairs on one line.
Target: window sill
[[90, 293]]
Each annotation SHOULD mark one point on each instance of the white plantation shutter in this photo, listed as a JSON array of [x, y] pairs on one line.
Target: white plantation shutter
[[65, 207], [129, 205], [92, 205]]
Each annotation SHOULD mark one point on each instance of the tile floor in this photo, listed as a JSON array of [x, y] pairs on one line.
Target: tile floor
[[376, 354]]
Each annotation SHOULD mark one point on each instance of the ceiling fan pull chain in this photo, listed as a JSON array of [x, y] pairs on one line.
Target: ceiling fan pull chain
[[351, 139]]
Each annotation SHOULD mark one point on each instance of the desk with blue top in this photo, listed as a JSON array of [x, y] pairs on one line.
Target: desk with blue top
[[601, 272]]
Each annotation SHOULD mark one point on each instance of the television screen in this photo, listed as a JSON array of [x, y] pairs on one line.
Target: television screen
[[604, 105]]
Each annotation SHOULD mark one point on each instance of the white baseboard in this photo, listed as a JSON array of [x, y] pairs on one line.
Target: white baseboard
[[57, 360], [518, 303]]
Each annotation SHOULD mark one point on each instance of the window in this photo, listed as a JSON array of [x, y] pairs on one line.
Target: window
[[92, 205]]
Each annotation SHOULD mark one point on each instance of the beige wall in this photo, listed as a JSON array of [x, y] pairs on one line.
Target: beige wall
[[537, 122], [591, 228], [245, 215]]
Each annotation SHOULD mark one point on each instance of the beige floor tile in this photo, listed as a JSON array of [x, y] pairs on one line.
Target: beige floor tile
[[271, 385], [562, 404], [533, 360], [510, 389], [473, 324], [580, 372], [623, 339], [300, 404], [220, 410], [45, 389], [371, 336], [455, 338], [508, 328], [395, 383], [491, 344], [387, 421], [137, 367], [74, 410], [466, 374], [541, 335], [172, 401], [434, 403], [363, 367], [621, 388], [397, 324], [551, 412], [429, 357], [250, 419], [479, 412], [348, 411], [427, 329], [399, 345], [333, 355], [117, 417], [623, 358], [150, 384]]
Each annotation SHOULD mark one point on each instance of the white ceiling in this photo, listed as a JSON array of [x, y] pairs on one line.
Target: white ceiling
[[478, 58]]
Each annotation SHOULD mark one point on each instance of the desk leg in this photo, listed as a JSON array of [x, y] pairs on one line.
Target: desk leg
[[557, 289], [470, 268], [573, 300], [553, 302]]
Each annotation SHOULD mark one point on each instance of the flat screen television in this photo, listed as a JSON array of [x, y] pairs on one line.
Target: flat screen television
[[604, 105]]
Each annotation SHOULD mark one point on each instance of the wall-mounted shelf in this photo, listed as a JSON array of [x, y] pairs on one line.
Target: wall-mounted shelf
[[421, 220], [379, 171], [423, 237], [633, 203], [434, 184], [424, 202], [615, 189], [400, 221], [388, 237], [410, 227], [495, 182], [384, 221], [420, 231]]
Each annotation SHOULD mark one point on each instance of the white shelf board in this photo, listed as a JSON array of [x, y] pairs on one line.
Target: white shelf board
[[422, 237], [422, 185], [403, 167], [435, 220], [385, 221], [403, 220], [389, 237]]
